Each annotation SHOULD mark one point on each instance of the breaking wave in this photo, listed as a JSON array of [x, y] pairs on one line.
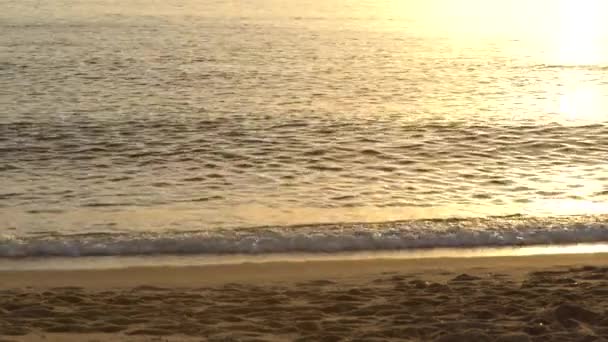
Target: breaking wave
[[325, 238]]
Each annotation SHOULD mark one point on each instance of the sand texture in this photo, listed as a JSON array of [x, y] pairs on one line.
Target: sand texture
[[553, 304]]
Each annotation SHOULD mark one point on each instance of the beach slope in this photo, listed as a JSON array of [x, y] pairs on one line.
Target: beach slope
[[530, 298]]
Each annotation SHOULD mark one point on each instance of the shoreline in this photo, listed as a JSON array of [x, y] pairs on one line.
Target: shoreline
[[290, 271], [561, 297], [193, 260]]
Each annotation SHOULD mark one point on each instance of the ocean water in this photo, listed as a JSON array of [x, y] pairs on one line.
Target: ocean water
[[257, 126]]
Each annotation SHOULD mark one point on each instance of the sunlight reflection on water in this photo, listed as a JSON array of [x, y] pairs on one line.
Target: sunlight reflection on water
[[206, 114]]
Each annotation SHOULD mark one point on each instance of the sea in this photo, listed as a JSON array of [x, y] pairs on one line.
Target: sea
[[253, 127]]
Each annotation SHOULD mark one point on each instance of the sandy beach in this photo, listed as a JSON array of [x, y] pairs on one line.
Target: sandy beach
[[531, 298]]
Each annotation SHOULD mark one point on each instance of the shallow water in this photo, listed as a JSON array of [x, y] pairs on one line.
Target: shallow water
[[177, 116], [122, 261]]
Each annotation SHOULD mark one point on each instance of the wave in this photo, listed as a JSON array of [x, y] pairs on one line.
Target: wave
[[324, 238], [590, 67]]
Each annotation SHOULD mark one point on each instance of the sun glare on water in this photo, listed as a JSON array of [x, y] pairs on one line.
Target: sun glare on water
[[583, 105], [577, 41]]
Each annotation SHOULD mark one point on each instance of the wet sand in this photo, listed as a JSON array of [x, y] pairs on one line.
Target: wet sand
[[531, 298]]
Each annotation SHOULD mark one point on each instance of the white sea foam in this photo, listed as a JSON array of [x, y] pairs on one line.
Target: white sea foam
[[328, 238]]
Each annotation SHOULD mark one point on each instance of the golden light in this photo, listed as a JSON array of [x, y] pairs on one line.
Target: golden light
[[576, 39], [583, 105], [565, 207], [578, 32]]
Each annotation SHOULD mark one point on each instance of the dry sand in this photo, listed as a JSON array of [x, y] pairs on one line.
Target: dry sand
[[533, 298]]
